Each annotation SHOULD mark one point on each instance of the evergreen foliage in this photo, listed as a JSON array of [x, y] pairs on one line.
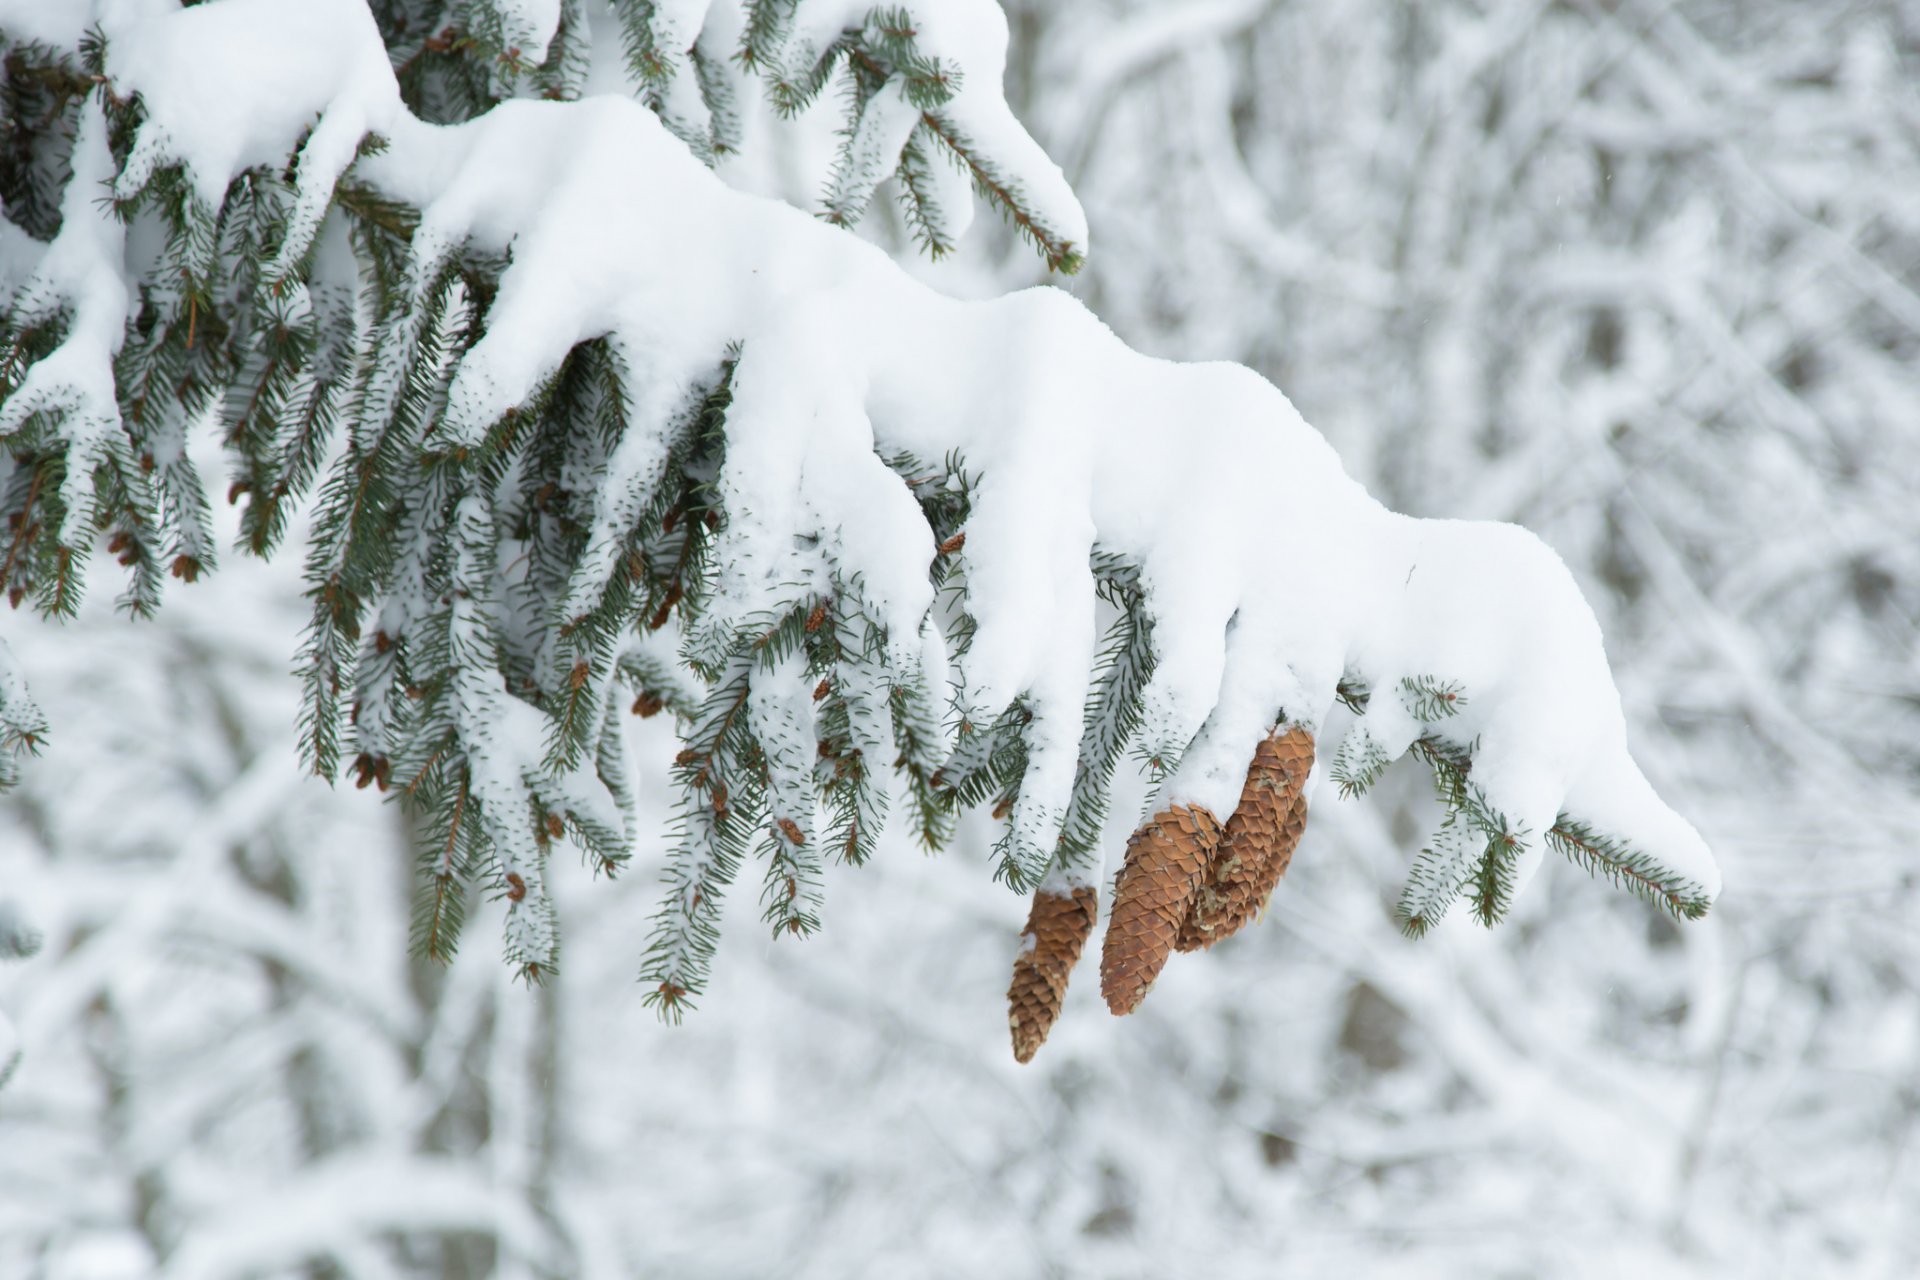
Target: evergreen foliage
[[489, 589], [1633, 275], [1473, 853], [463, 578]]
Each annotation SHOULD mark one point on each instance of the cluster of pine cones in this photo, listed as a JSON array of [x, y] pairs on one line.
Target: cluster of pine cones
[[1187, 883]]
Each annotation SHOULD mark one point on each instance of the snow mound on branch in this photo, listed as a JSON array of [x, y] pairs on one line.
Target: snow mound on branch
[[1270, 574], [81, 276], [316, 68], [970, 36], [974, 36], [1269, 577]]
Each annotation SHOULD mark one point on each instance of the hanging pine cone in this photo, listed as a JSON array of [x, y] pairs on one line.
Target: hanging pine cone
[[1165, 860], [1258, 843], [1057, 926]]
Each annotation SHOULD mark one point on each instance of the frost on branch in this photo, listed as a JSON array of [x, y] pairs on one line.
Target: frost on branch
[[595, 428]]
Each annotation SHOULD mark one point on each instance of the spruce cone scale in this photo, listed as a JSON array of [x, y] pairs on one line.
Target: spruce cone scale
[[1258, 843], [1166, 860], [1058, 926]]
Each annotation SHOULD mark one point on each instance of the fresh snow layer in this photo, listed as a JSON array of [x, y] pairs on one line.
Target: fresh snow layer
[[1271, 574], [972, 34], [301, 66]]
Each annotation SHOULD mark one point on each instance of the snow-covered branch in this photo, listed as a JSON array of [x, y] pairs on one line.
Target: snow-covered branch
[[593, 390]]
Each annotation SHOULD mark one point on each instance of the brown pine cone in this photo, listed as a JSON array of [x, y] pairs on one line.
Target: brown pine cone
[[1058, 926], [1258, 843], [1165, 860]]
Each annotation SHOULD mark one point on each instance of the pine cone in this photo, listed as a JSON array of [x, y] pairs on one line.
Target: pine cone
[[1165, 860], [1258, 843], [1058, 926]]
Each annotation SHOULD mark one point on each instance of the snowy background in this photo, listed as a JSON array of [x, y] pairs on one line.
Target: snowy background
[[1642, 276]]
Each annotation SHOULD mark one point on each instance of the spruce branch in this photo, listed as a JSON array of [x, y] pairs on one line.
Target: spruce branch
[[1431, 700], [531, 505], [1359, 762], [927, 219], [1630, 869], [1008, 195], [1113, 717], [709, 846]]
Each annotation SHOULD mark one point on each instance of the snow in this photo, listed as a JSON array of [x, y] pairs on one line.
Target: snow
[[885, 126], [80, 271], [80, 275], [59, 23], [1074, 450], [972, 35], [1269, 573], [1583, 1093], [503, 739], [316, 68]]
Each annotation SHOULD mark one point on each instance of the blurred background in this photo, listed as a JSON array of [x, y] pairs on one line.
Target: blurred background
[[1643, 275]]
